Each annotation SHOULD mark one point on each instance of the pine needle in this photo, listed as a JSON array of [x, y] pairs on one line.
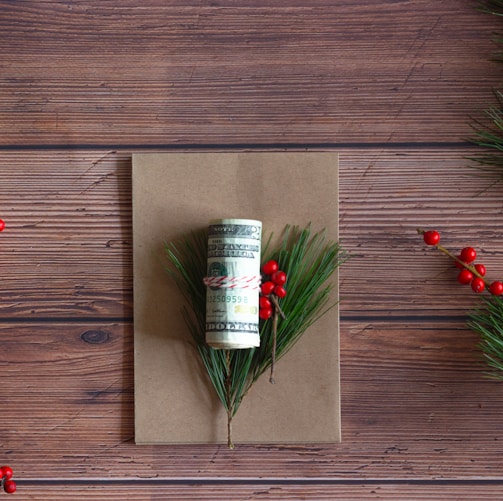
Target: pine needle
[[488, 320], [489, 131], [492, 7], [488, 323], [490, 136]]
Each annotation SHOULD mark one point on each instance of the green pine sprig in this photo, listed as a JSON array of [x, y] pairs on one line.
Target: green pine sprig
[[492, 7], [488, 132], [310, 260], [488, 323], [489, 136]]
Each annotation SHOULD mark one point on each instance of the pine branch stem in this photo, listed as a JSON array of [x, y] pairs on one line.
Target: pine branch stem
[[230, 406], [230, 443]]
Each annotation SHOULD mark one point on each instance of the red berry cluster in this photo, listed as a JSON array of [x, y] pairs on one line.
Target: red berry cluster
[[273, 284], [7, 483], [470, 273]]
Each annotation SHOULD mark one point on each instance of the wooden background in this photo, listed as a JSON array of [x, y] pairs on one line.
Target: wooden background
[[388, 84]]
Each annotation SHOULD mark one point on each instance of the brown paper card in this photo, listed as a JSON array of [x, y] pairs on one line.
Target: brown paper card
[[174, 193]]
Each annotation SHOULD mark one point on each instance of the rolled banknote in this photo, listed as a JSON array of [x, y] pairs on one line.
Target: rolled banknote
[[233, 281]]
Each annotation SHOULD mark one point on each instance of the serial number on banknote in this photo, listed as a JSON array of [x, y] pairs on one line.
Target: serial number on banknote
[[227, 299]]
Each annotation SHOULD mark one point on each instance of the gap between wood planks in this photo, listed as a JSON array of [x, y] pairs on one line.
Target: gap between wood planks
[[238, 146]]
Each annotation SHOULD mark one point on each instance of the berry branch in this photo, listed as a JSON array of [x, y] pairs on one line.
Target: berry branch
[[487, 321], [471, 273], [271, 289]]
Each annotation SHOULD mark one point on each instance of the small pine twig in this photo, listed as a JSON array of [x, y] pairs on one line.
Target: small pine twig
[[273, 351], [228, 384]]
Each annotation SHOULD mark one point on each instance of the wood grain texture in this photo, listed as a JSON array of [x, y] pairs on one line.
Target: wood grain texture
[[68, 253], [390, 86], [415, 404], [264, 490], [119, 73]]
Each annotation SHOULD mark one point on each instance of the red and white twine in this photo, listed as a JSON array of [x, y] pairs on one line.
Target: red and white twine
[[224, 282]]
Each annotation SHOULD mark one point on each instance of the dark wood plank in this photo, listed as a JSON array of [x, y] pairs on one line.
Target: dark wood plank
[[415, 404], [224, 72], [66, 248], [69, 232], [384, 197], [270, 491]]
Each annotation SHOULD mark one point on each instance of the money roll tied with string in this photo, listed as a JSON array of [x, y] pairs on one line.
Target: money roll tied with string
[[232, 283]]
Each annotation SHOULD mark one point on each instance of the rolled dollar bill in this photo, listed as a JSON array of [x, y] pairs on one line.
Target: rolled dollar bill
[[233, 281]]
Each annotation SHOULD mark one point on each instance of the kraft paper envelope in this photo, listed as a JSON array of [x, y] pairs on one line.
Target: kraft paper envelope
[[175, 193]]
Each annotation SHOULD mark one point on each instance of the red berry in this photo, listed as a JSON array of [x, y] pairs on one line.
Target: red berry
[[468, 254], [465, 276], [9, 486], [265, 313], [270, 267], [266, 288], [2, 224], [481, 269], [478, 284], [279, 277], [496, 288], [264, 302], [280, 291], [431, 237], [6, 472]]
